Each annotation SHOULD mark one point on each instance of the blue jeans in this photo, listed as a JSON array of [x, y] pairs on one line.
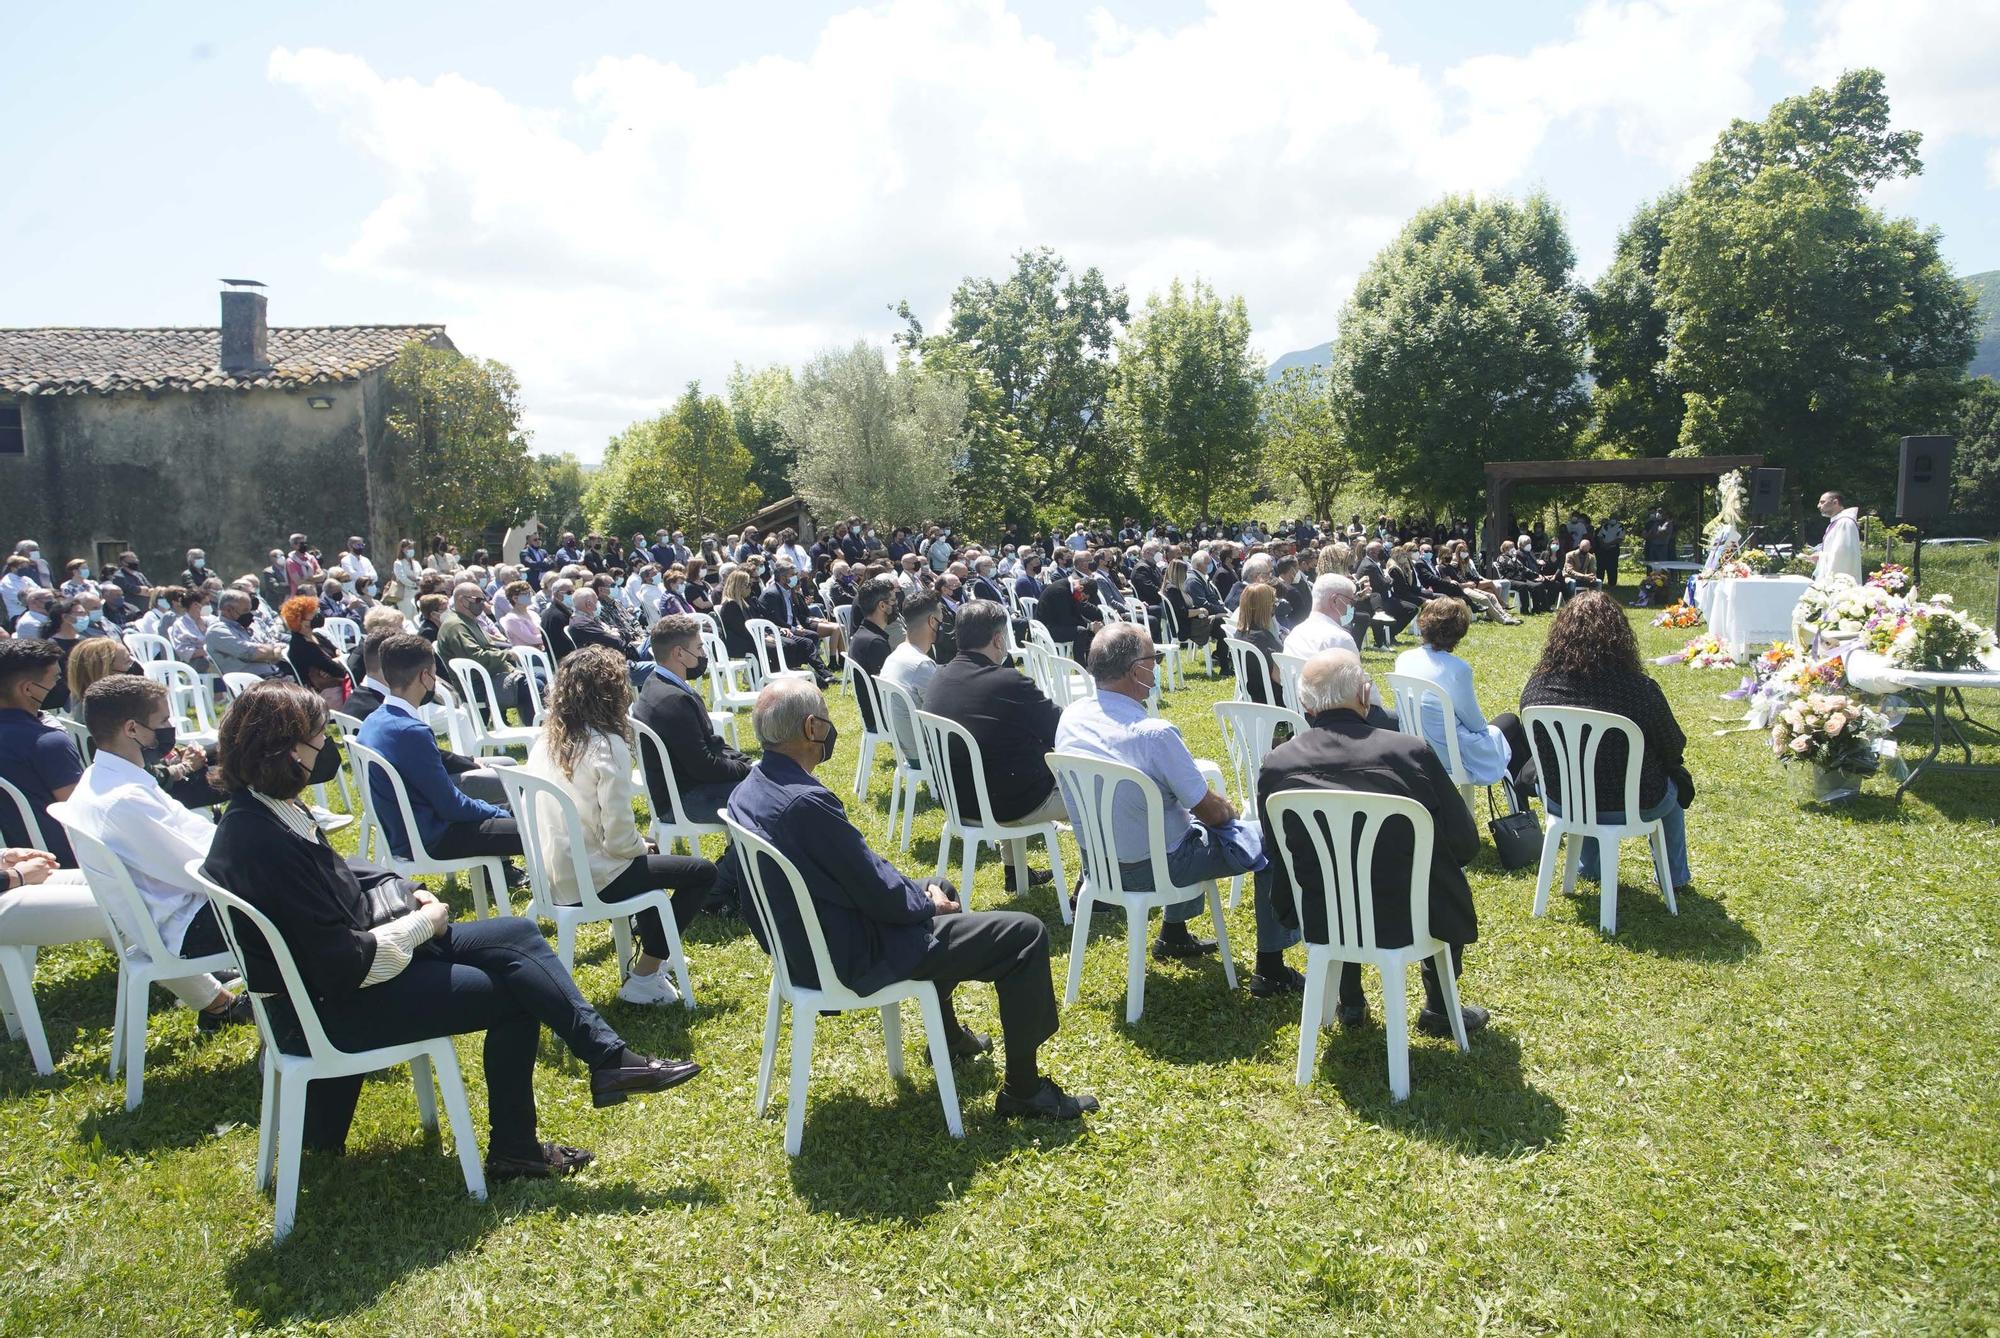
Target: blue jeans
[[1196, 859], [1673, 821]]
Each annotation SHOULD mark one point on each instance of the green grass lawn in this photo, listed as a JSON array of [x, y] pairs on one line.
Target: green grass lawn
[[1778, 1112]]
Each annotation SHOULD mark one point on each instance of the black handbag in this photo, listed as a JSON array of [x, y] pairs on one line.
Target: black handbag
[[1516, 836]]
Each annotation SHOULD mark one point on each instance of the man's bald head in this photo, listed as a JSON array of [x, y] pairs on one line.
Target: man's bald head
[[1331, 680]]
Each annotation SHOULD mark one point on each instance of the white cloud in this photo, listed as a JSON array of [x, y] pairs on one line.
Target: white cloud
[[1941, 58], [661, 226]]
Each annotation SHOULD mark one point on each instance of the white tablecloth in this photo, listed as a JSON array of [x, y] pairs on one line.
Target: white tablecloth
[[1873, 673], [1749, 611]]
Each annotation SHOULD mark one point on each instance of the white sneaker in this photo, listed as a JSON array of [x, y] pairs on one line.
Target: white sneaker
[[657, 988], [327, 820]]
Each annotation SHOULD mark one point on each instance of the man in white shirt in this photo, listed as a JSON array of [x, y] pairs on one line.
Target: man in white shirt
[[1078, 540], [910, 665], [1326, 627], [1114, 726], [151, 833], [1840, 550], [356, 564], [790, 549]]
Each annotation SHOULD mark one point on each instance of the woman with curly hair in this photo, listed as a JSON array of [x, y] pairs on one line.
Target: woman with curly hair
[[312, 656], [1591, 660], [586, 749]]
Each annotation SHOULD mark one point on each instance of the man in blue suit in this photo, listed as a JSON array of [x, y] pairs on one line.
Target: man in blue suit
[[879, 926], [452, 823]]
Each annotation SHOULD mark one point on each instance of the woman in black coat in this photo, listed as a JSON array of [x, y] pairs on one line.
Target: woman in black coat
[[1256, 625], [381, 958], [311, 655]]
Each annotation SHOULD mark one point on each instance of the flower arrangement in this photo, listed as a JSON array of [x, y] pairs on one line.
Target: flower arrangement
[[1891, 577], [1834, 732], [1762, 561], [1655, 590], [1842, 610], [1679, 614], [1702, 652], [1731, 569], [1933, 637], [1780, 655]]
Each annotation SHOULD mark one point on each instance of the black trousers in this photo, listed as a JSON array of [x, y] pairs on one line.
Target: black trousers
[[690, 880], [1350, 982], [468, 840], [1009, 948], [498, 976], [706, 803], [1384, 633]]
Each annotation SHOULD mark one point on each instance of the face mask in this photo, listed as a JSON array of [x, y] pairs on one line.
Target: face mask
[[246, 621], [151, 755], [569, 601], [161, 605], [368, 589], [676, 586], [699, 669], [83, 573], [92, 619], [1347, 615], [197, 564], [319, 620], [409, 552], [325, 765], [792, 582], [826, 744]]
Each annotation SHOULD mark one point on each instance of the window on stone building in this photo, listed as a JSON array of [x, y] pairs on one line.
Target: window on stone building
[[13, 441]]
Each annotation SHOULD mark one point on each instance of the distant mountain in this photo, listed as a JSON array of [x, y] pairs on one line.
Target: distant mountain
[[1986, 361], [1319, 355]]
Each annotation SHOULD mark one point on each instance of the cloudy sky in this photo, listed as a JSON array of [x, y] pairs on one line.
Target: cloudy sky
[[617, 199]]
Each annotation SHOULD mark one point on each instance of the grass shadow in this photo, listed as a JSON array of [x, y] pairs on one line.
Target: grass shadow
[[339, 1218], [1479, 1102], [1704, 931], [184, 1104], [1193, 1017], [866, 1160]]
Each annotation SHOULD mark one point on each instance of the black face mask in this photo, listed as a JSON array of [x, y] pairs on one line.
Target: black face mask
[[156, 752], [136, 668], [326, 764], [246, 621], [700, 669], [826, 744]]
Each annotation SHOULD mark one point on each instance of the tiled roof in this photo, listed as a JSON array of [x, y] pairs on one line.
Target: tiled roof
[[81, 362]]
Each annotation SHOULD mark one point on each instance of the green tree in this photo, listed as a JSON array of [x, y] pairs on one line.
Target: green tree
[[869, 441], [1638, 406], [1975, 488], [1184, 402], [1802, 322], [1045, 338], [1303, 446], [1463, 343], [461, 452], [555, 490], [755, 397], [683, 465]]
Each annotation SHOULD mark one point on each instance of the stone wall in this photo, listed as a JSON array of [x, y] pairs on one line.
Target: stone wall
[[230, 471]]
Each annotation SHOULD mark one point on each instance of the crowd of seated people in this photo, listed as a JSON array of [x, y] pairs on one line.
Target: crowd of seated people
[[625, 629]]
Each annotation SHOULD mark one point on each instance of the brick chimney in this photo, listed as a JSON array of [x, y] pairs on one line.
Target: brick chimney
[[244, 343]]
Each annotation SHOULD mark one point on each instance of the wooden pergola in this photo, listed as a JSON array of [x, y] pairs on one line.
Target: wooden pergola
[[1503, 475]]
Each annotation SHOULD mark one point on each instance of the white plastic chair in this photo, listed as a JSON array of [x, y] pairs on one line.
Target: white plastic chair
[[831, 996], [1041, 636], [490, 731], [768, 660], [1344, 859], [79, 733], [236, 684], [350, 784], [898, 714], [1289, 668], [524, 795], [1249, 730], [143, 956], [1575, 735], [147, 648], [1170, 623], [538, 668], [1242, 655], [1035, 661], [282, 1116], [1167, 650], [491, 871], [1068, 683], [674, 826], [1088, 786], [344, 633], [870, 703], [844, 615], [188, 698], [731, 683], [939, 736], [17, 960], [1418, 697]]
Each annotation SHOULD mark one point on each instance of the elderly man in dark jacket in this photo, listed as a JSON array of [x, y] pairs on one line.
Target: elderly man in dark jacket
[[1343, 751]]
